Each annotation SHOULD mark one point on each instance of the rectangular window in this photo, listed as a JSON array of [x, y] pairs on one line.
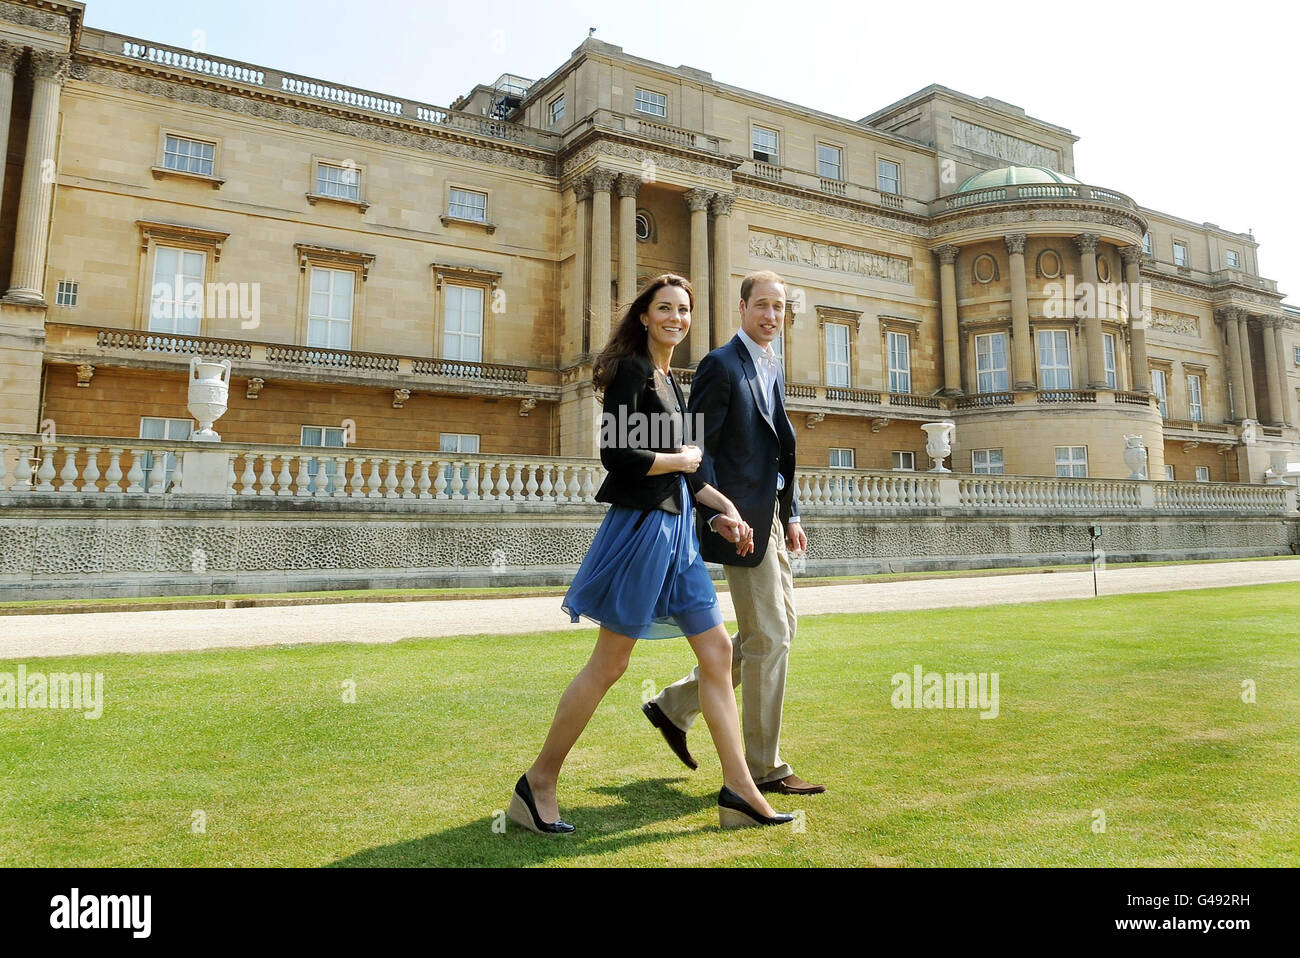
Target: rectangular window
[[557, 109], [991, 363], [462, 326], [1053, 359], [1195, 411], [66, 294], [899, 346], [333, 437], [1234, 261], [888, 177], [342, 182], [837, 354], [1159, 387], [1180, 254], [767, 146], [841, 458], [463, 443], [986, 462], [329, 308], [176, 303], [903, 460], [1146, 243], [647, 101], [189, 156], [155, 428], [1169, 472], [468, 205], [1108, 350], [1072, 461], [1202, 473], [830, 162], [1296, 357]]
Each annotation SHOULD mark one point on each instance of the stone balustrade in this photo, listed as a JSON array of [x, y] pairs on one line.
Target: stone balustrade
[[99, 466]]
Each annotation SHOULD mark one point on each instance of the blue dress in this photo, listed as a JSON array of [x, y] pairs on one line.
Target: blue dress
[[643, 576]]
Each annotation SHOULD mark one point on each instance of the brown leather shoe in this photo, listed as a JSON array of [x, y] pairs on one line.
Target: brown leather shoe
[[674, 736], [792, 785]]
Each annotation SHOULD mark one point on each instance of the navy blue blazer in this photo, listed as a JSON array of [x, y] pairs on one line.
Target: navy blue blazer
[[743, 448]]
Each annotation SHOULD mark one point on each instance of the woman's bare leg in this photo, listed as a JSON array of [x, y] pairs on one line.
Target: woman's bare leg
[[578, 703], [718, 703]]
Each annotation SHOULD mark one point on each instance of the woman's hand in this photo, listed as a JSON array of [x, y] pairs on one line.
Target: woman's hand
[[690, 457], [737, 530]]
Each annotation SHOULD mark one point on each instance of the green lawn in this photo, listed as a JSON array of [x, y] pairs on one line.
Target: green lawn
[[1130, 705]]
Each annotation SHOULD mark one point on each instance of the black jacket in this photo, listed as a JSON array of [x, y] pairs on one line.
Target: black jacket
[[744, 449], [642, 415]]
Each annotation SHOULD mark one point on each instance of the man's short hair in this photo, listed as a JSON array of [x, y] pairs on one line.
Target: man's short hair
[[761, 276]]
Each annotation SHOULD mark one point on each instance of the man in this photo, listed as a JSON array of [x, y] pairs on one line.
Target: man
[[738, 394]]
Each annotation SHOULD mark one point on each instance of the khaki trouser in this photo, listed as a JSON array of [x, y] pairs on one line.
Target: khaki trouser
[[764, 601]]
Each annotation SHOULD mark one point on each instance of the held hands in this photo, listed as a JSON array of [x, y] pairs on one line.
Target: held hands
[[690, 458], [731, 527]]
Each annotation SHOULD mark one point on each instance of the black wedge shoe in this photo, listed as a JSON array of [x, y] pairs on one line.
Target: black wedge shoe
[[735, 812], [523, 811]]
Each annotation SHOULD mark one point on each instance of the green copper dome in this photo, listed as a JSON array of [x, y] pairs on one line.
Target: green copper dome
[[1009, 175]]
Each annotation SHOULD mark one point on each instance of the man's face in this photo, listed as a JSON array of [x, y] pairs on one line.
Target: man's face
[[763, 314]]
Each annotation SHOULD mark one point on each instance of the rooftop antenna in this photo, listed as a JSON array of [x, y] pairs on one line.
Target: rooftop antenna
[[591, 31]]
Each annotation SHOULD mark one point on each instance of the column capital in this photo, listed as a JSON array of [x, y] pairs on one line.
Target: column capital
[[697, 199], [1270, 322], [602, 180], [1087, 242], [722, 203], [629, 184], [50, 65], [1228, 314], [581, 188], [947, 253], [1131, 255], [9, 55], [1015, 243]]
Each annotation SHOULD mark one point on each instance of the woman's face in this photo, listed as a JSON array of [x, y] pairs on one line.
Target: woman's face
[[668, 319]]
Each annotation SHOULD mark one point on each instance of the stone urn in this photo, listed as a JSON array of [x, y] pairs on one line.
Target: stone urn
[[209, 390], [1278, 468], [1135, 457], [938, 443]]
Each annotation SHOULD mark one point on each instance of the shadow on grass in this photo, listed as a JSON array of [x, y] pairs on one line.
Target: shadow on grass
[[600, 830]]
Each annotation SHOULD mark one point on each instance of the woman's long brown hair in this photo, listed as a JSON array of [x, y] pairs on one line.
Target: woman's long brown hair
[[629, 337]]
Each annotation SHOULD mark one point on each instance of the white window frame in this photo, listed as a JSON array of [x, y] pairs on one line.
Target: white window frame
[[172, 429], [899, 456], [1232, 258], [773, 158], [1296, 356], [823, 166], [332, 323], [1147, 243], [555, 110], [1161, 391], [1195, 398], [455, 340], [328, 437], [899, 375], [1072, 459], [1202, 473], [650, 102], [987, 462], [882, 180], [1108, 360], [346, 185], [841, 458], [987, 378], [1186, 259], [458, 443], [191, 295], [838, 371], [65, 294], [1169, 472], [179, 155], [466, 205], [1049, 375]]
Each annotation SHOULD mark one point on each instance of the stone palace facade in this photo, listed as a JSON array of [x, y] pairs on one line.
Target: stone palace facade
[[399, 275]]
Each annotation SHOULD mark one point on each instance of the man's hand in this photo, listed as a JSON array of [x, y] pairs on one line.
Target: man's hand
[[735, 530], [796, 543]]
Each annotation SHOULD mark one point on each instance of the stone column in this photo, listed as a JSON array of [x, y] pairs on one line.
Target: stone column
[[1138, 313], [948, 310], [1086, 243], [1022, 358], [602, 181], [1279, 344], [9, 54], [33, 232], [724, 308], [629, 184], [1227, 316], [697, 201], [581, 233], [1276, 409], [1247, 366]]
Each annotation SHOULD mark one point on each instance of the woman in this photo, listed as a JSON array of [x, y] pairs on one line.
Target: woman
[[643, 577]]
